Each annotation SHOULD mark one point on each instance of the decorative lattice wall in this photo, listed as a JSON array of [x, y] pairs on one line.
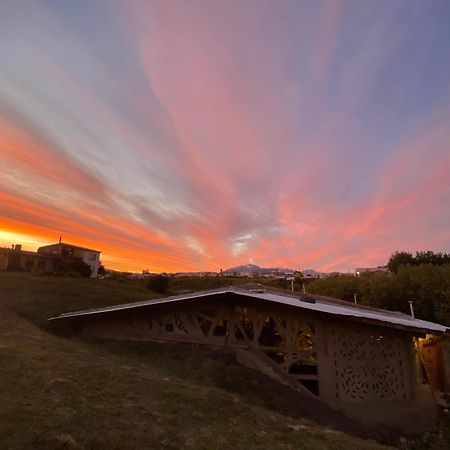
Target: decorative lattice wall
[[338, 361], [285, 342], [369, 366]]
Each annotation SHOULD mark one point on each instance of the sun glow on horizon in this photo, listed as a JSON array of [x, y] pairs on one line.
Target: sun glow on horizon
[[28, 242]]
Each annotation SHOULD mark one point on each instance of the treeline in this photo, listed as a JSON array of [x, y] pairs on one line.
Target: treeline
[[398, 259], [425, 283]]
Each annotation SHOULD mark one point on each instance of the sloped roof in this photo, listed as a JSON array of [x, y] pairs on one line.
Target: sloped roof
[[60, 244], [336, 309]]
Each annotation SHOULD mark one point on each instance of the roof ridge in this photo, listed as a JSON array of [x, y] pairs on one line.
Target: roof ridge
[[383, 317]]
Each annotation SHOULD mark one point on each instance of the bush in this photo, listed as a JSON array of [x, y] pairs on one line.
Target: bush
[[101, 270], [158, 284], [79, 266]]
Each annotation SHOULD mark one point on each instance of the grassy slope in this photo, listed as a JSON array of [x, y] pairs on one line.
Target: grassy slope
[[63, 394]]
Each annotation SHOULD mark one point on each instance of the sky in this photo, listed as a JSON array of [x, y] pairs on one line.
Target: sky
[[198, 135]]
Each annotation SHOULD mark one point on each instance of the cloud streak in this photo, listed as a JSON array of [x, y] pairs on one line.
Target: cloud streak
[[194, 136]]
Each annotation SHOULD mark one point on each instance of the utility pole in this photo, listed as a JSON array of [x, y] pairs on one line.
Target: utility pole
[[411, 307]]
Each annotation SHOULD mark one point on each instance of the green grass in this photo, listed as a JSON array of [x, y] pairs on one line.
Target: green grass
[[57, 393]]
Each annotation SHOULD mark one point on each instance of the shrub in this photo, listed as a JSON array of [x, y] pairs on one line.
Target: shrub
[[158, 284], [79, 266]]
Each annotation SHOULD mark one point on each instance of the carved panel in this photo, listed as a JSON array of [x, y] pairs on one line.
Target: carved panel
[[368, 365]]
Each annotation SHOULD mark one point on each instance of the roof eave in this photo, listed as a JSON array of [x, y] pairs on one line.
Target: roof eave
[[412, 328]]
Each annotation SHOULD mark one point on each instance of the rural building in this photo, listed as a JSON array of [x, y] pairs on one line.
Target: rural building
[[360, 270], [17, 259], [371, 364], [64, 252], [50, 258]]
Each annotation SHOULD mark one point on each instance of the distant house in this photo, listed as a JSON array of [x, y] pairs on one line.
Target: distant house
[[65, 251], [310, 273], [360, 270], [17, 259], [371, 364], [49, 258]]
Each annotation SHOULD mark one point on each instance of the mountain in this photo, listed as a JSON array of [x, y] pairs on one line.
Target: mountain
[[251, 268], [254, 269]]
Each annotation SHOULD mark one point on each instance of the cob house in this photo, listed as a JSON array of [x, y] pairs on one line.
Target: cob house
[[380, 367]]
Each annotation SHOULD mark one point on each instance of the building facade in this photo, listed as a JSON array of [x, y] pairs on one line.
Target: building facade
[[65, 252], [17, 259], [50, 258]]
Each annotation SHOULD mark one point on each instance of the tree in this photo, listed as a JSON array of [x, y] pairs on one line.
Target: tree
[[429, 257], [298, 282], [79, 266], [426, 285], [398, 259], [377, 290], [342, 287], [101, 269]]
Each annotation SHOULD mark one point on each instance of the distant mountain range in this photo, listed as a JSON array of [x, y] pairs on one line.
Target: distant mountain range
[[254, 269]]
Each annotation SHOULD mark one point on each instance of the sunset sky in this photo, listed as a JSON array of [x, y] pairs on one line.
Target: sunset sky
[[197, 135]]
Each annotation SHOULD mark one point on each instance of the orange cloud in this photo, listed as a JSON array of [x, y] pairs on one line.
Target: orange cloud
[[20, 149]]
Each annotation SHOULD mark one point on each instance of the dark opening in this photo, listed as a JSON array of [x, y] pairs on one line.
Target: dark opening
[[221, 328], [204, 324], [270, 336], [278, 357], [311, 385], [301, 368]]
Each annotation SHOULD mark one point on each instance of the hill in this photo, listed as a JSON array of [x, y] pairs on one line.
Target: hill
[[254, 269], [66, 394]]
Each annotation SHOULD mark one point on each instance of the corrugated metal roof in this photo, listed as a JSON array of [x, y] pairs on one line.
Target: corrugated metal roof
[[380, 317]]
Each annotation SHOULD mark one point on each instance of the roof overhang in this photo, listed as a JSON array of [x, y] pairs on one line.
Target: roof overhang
[[375, 317]]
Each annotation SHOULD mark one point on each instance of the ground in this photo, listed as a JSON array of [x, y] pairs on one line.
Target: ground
[[59, 393]]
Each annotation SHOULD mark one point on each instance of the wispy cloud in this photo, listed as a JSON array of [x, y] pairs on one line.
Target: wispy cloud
[[197, 135]]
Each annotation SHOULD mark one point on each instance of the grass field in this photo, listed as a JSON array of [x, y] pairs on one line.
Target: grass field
[[66, 394]]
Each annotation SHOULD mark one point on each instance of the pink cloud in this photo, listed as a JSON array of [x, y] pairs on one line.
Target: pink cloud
[[246, 139]]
